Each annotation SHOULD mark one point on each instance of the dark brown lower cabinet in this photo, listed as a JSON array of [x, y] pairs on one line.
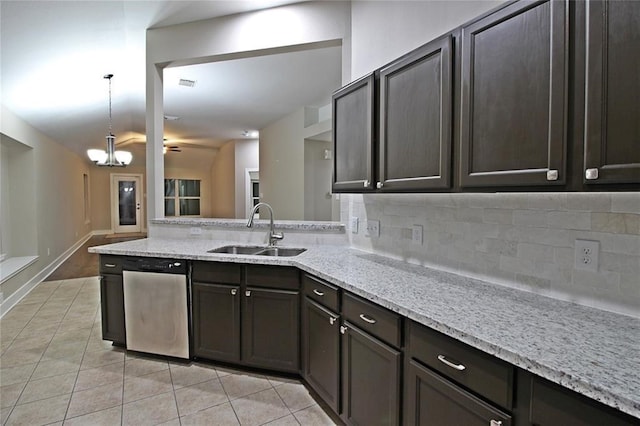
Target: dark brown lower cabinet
[[370, 379], [321, 351], [433, 400], [271, 328], [112, 307], [216, 321]]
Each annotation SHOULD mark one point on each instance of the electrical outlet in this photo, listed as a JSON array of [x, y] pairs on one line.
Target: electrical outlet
[[587, 255], [416, 234], [195, 231], [354, 225], [373, 228]]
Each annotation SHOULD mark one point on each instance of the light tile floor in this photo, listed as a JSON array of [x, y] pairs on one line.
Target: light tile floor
[[56, 369]]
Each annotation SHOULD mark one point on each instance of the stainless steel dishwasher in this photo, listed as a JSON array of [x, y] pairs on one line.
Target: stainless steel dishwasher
[[156, 314]]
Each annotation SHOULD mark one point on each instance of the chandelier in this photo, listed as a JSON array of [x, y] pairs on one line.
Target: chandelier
[[110, 157]]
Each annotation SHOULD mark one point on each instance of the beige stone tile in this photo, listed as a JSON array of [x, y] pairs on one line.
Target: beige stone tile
[[238, 385], [54, 367], [295, 396], [277, 381], [173, 422], [9, 394], [47, 388], [289, 420], [186, 375], [97, 344], [136, 388], [100, 358], [99, 376], [72, 351], [75, 335], [30, 342], [4, 414], [150, 411], [192, 399], [14, 357], [40, 412], [108, 417], [313, 416], [134, 367], [95, 399], [223, 413], [35, 329], [259, 408], [19, 374]]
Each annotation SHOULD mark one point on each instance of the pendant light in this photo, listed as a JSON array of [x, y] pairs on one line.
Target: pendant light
[[110, 157]]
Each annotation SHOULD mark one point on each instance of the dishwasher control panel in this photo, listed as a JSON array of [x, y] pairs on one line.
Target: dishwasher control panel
[[153, 264]]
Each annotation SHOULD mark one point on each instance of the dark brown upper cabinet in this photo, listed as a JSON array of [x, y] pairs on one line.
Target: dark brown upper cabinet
[[353, 136], [514, 96], [612, 130], [416, 119]]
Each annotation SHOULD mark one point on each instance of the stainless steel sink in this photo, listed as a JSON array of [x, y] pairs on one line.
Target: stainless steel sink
[[237, 249], [281, 251], [259, 251]]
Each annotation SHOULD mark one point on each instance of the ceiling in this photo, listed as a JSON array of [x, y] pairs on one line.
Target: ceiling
[[54, 55]]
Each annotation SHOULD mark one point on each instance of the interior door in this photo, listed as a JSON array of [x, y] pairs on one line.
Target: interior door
[[125, 201]]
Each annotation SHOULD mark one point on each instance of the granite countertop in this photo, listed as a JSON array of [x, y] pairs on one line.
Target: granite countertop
[[594, 352]]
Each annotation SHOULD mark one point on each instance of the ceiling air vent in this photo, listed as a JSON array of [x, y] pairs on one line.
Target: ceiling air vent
[[187, 83]]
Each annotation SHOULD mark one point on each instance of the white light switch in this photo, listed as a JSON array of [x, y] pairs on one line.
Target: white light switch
[[373, 228], [354, 225], [416, 234]]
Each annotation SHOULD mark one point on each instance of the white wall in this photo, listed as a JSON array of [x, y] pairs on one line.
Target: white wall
[[223, 182], [282, 166], [521, 240], [247, 157]]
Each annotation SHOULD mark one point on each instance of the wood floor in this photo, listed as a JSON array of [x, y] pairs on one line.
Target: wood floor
[[82, 263]]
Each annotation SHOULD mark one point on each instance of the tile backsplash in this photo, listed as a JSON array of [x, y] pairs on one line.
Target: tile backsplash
[[522, 240]]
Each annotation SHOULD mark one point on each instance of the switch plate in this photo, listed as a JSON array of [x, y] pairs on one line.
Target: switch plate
[[373, 228], [587, 255], [354, 225], [416, 234], [195, 231]]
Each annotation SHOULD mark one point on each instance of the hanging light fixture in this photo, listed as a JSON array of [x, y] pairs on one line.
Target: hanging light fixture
[[110, 157]]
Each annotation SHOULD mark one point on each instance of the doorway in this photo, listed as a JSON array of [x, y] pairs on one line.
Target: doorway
[[126, 206]]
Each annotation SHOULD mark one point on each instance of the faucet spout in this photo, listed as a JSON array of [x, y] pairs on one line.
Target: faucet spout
[[274, 237]]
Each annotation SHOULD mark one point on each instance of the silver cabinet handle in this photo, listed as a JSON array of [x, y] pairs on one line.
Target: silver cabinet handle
[[591, 174], [364, 318], [318, 292], [343, 329], [495, 423], [366, 183], [379, 185], [234, 291], [247, 293], [332, 320], [552, 175], [446, 362], [109, 265]]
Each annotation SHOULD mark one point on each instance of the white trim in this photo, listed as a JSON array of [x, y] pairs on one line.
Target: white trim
[[19, 294], [140, 226], [248, 204], [12, 265]]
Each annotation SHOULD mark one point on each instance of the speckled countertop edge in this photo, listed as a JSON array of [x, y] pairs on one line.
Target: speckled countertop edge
[[591, 351], [317, 226]]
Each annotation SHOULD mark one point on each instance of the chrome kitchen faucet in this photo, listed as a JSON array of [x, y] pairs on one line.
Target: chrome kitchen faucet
[[274, 237]]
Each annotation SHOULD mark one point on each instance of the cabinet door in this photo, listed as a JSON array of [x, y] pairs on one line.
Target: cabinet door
[[271, 329], [216, 321], [353, 136], [321, 351], [415, 119], [112, 307], [433, 400], [370, 379], [612, 138], [513, 110]]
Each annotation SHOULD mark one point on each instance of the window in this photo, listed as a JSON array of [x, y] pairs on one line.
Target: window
[[181, 197]]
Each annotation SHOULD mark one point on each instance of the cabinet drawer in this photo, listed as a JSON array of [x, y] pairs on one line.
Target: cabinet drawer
[[474, 369], [372, 318], [213, 272], [110, 264], [321, 291], [281, 277]]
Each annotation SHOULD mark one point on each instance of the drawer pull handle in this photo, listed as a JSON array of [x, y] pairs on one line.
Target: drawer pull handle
[[109, 265], [234, 291], [445, 361], [343, 329], [364, 318], [495, 423], [247, 293], [332, 320], [318, 292]]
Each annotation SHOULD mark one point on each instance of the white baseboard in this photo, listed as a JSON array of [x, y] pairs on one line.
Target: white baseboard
[[19, 294], [102, 232]]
